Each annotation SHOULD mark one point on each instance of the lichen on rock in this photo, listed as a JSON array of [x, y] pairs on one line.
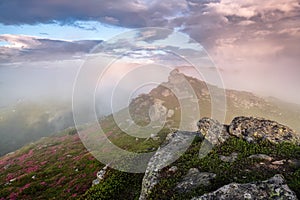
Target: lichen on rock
[[257, 129], [273, 188]]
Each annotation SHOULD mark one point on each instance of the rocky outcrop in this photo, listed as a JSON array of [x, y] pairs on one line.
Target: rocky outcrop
[[274, 188], [193, 179], [250, 129], [175, 144], [247, 128], [257, 129]]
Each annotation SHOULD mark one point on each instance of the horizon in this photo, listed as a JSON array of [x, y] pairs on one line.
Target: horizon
[[252, 44]]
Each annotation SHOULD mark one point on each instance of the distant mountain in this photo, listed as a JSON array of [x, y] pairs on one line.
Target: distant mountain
[[237, 103]]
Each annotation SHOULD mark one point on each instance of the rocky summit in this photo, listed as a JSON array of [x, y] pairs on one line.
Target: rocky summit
[[252, 131]]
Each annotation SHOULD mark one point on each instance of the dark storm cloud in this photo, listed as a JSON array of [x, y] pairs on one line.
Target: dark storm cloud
[[26, 48], [122, 13], [66, 11]]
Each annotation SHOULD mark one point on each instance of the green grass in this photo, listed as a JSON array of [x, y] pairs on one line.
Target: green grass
[[118, 185]]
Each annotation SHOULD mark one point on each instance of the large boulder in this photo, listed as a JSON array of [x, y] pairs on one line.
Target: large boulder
[[176, 144], [257, 129], [274, 188], [213, 131]]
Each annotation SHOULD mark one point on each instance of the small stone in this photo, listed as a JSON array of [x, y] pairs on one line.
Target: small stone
[[230, 158], [247, 196], [173, 169], [12, 180], [95, 182], [279, 162], [261, 157], [101, 174], [6, 166]]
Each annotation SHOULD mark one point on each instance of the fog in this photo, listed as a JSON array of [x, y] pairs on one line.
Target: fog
[[35, 101], [36, 98]]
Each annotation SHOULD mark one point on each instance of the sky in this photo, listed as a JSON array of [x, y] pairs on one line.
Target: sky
[[254, 44]]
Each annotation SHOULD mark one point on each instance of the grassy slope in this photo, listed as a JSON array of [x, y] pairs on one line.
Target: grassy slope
[[243, 170], [62, 168], [53, 167]]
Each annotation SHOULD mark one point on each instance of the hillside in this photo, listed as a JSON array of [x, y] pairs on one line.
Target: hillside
[[57, 166], [60, 166]]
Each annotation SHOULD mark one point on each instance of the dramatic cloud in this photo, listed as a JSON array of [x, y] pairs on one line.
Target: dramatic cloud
[[123, 13], [245, 38]]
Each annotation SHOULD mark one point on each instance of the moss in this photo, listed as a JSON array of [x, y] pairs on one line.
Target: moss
[[118, 185]]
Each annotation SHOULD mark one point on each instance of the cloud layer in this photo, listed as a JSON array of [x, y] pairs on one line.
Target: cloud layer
[[247, 39], [22, 48], [229, 24]]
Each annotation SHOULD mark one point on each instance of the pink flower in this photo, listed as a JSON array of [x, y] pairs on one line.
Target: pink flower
[[62, 158], [25, 156], [78, 158], [13, 196], [32, 169], [60, 180], [25, 187], [44, 162], [77, 187], [91, 158], [43, 183], [10, 176]]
